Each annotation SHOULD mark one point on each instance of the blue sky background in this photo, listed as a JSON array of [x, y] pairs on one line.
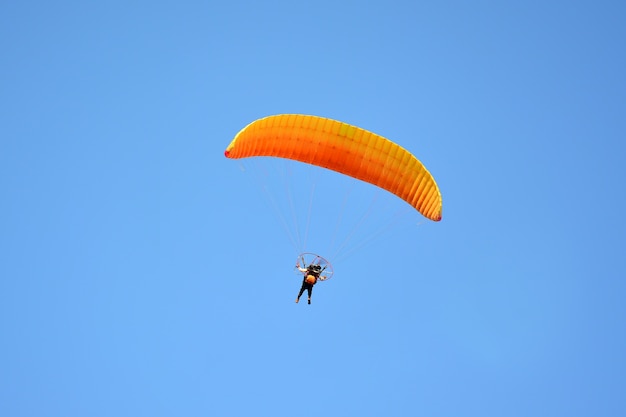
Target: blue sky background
[[142, 273]]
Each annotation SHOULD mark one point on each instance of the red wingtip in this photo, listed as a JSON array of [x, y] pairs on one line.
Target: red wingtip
[[227, 153]]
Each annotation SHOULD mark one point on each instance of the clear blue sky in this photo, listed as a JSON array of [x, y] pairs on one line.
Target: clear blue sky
[[144, 274]]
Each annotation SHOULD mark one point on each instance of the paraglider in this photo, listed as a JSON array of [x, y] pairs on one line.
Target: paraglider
[[313, 268], [343, 148]]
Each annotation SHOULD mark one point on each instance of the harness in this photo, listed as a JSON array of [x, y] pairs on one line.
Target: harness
[[309, 273]]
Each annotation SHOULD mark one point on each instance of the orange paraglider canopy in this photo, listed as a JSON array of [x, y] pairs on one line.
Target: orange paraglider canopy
[[343, 148]]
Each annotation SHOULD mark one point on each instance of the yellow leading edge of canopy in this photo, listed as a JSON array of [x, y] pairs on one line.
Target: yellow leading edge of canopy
[[343, 148]]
